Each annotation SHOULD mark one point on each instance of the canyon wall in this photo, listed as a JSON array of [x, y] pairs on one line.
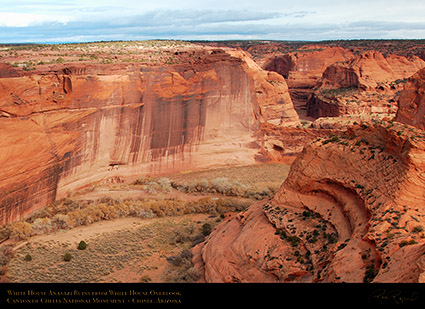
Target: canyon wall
[[71, 125], [365, 84], [351, 210], [304, 68], [334, 81], [411, 104]]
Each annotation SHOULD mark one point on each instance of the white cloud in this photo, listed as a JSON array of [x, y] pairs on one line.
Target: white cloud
[[30, 19], [85, 20]]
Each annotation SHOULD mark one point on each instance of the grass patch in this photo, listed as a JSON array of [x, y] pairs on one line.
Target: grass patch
[[140, 250], [255, 181]]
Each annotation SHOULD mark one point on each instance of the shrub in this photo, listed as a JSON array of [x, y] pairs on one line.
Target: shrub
[[206, 229], [370, 273], [60, 221], [42, 226], [183, 268], [67, 257], [82, 245], [221, 185], [183, 234], [406, 243], [6, 253], [145, 279], [332, 139], [3, 270], [20, 230], [165, 184], [294, 240], [27, 258], [418, 229]]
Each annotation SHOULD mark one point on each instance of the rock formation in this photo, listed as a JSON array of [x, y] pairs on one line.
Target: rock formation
[[282, 144], [351, 210], [70, 125], [367, 83], [304, 68], [411, 104], [272, 93]]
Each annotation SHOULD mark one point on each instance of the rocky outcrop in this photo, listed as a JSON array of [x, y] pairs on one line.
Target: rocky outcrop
[[304, 68], [282, 144], [370, 70], [411, 104], [351, 210], [272, 94], [74, 124], [367, 83]]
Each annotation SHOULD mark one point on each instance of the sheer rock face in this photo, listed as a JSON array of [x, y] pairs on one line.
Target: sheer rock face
[[351, 210], [411, 104], [304, 68], [75, 124], [370, 70], [272, 94], [367, 83]]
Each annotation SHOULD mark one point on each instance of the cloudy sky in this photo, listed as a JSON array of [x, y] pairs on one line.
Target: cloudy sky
[[56, 21]]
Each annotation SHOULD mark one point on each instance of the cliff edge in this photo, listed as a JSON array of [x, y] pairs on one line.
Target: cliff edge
[[67, 125], [351, 210]]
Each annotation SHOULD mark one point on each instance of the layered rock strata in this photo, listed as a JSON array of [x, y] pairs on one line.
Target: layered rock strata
[[304, 68], [351, 210], [367, 83], [411, 104], [70, 125]]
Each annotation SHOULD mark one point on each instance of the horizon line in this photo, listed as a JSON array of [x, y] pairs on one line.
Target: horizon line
[[202, 40]]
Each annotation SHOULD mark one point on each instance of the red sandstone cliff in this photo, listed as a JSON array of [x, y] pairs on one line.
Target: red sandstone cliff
[[272, 93], [67, 126], [304, 68], [351, 210], [411, 104], [367, 83]]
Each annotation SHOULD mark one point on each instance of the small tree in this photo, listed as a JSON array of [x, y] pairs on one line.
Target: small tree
[[67, 257], [82, 245], [206, 229]]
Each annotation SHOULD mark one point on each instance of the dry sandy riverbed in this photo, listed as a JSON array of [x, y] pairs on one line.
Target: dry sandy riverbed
[[121, 250]]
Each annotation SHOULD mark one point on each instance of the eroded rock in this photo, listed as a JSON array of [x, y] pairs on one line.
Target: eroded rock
[[349, 211]]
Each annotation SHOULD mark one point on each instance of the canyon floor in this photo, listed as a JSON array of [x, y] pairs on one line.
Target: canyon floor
[[135, 248], [171, 161]]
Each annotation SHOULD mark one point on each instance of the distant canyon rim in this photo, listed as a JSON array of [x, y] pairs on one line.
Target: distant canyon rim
[[347, 116]]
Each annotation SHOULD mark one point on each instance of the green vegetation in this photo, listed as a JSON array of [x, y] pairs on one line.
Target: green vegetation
[[406, 243], [67, 257], [418, 229], [370, 273], [331, 139], [82, 245], [28, 258], [336, 92], [68, 214], [206, 229], [142, 248], [226, 190], [230, 189]]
